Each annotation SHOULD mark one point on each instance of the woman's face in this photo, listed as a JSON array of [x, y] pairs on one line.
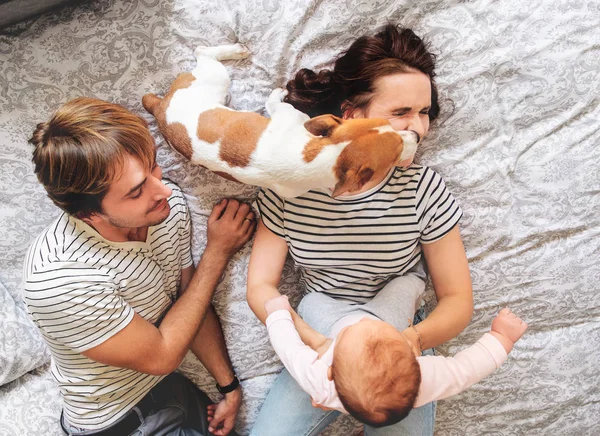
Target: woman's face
[[404, 99]]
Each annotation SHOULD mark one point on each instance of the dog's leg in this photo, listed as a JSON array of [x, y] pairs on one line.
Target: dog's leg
[[210, 71], [223, 52], [275, 100]]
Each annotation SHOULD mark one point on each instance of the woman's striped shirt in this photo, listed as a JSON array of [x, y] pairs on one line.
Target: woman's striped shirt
[[349, 247], [81, 289]]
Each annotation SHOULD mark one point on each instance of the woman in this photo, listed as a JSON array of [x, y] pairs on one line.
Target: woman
[[350, 247]]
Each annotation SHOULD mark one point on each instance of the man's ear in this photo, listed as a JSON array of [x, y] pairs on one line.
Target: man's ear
[[352, 180], [323, 125]]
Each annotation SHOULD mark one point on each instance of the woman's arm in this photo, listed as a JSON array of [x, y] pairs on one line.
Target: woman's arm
[[264, 272], [449, 270]]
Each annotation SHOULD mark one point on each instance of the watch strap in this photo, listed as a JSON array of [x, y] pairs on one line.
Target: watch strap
[[230, 387]]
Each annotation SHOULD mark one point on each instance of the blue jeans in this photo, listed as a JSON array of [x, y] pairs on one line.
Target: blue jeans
[[287, 410]]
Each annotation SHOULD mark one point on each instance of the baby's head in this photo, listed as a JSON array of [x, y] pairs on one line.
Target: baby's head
[[375, 372]]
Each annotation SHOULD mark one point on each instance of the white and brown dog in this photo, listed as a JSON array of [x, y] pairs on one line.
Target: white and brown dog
[[288, 153]]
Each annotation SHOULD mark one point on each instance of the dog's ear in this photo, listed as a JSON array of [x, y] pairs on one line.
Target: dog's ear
[[323, 125], [352, 180]]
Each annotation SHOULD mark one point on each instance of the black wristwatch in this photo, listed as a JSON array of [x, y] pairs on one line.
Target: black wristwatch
[[230, 387]]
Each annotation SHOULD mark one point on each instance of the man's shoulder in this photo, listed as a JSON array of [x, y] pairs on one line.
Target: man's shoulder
[[57, 247], [52, 240]]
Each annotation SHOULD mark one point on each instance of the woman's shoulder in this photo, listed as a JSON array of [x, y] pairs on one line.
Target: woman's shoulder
[[414, 172], [419, 178]]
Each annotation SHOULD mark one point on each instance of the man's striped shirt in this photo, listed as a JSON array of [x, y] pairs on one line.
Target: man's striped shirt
[[349, 247], [82, 289]]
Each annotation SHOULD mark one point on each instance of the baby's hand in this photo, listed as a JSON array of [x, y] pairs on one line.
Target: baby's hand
[[509, 325], [277, 303]]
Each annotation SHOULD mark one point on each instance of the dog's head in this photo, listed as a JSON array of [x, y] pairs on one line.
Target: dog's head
[[374, 148]]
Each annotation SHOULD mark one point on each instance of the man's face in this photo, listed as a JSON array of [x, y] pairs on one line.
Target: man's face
[[137, 197]]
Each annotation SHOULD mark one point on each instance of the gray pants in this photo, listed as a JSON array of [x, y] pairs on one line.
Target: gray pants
[[395, 304], [180, 409]]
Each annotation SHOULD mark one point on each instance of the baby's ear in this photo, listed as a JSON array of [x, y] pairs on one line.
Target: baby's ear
[[330, 373]]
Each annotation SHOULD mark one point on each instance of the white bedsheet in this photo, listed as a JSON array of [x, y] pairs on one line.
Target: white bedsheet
[[517, 143]]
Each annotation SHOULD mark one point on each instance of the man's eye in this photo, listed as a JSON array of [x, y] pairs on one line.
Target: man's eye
[[138, 195], [425, 111]]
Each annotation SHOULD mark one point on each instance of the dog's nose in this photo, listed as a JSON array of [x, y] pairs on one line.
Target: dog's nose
[[418, 138], [410, 140]]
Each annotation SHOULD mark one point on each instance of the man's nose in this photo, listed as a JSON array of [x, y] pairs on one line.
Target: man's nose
[[161, 190]]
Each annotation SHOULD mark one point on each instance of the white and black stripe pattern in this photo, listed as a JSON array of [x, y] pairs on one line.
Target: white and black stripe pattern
[[81, 289], [349, 247]]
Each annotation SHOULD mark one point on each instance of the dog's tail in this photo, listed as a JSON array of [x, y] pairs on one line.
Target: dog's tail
[[151, 102]]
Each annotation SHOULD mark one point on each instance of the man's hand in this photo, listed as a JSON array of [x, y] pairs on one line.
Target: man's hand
[[278, 303], [230, 225], [221, 416]]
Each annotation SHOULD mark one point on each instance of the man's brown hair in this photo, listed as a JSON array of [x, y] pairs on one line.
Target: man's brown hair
[[81, 149]]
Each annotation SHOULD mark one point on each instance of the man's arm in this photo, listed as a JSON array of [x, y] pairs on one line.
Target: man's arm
[[145, 348], [209, 347]]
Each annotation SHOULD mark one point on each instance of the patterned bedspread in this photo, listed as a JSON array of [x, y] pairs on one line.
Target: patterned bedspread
[[517, 143]]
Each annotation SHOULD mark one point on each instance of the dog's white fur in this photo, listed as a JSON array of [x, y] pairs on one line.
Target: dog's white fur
[[278, 161]]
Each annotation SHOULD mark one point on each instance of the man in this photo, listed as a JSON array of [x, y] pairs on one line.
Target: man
[[112, 286]]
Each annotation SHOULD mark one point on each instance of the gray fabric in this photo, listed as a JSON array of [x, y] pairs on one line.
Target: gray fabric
[[12, 11], [21, 346], [517, 144]]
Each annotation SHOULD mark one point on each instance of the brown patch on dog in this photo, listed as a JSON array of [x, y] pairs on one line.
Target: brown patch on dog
[[371, 154], [335, 130], [239, 133], [175, 133], [177, 136]]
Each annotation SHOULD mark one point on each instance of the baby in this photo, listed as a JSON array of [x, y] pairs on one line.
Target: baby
[[369, 370]]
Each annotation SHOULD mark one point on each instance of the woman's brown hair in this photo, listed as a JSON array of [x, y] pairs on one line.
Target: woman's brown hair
[[351, 83], [80, 150]]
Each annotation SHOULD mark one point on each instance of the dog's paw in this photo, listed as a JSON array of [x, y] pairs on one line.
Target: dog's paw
[[223, 52], [239, 51]]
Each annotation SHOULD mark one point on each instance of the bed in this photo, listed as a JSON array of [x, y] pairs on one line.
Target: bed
[[518, 143]]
